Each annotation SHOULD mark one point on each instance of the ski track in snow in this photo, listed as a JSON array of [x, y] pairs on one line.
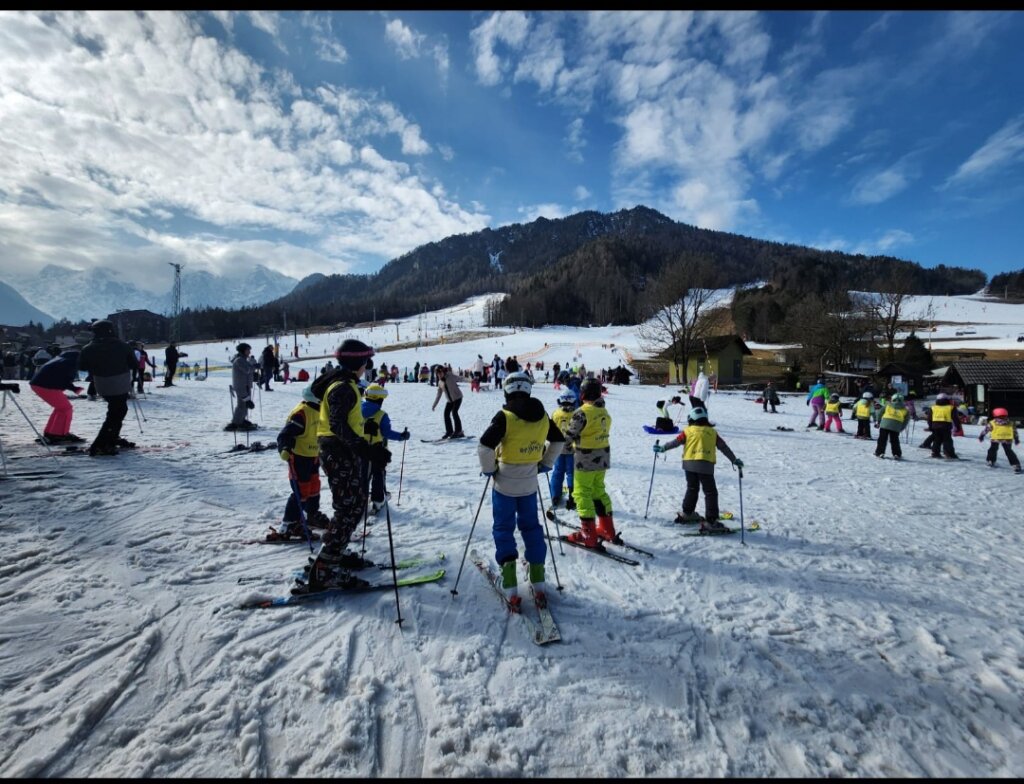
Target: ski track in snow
[[872, 627]]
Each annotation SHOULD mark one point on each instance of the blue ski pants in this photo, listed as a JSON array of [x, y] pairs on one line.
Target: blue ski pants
[[563, 471], [509, 512]]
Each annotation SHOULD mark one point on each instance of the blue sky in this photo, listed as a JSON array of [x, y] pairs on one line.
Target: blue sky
[[335, 141]]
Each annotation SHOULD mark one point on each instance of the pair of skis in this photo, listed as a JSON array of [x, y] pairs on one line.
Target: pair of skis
[[601, 549], [541, 631]]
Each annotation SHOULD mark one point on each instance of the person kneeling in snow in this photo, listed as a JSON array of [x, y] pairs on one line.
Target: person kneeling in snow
[[701, 441], [520, 442]]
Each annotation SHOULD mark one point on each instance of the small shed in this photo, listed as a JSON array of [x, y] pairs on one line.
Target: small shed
[[843, 383], [912, 377], [720, 355], [988, 384]]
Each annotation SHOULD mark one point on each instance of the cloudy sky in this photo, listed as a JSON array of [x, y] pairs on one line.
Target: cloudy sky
[[335, 141]]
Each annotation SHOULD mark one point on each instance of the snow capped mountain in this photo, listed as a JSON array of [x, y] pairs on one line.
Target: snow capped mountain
[[15, 311], [93, 293]]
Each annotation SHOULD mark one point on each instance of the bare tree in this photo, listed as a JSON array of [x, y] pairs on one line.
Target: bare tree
[[831, 328], [889, 308], [677, 306]]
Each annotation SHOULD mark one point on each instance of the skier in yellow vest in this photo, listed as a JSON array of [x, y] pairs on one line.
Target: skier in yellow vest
[[894, 419], [942, 427], [701, 444], [520, 442], [1003, 432], [377, 430], [297, 445], [564, 471], [833, 413], [590, 431], [862, 413]]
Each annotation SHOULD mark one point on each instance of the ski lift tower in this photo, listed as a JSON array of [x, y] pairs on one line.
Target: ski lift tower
[[176, 306]]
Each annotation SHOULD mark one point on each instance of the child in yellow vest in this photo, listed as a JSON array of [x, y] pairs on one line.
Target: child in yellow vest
[[377, 430], [832, 414], [893, 420], [1002, 431], [296, 443], [862, 413], [563, 473], [589, 432], [701, 441]]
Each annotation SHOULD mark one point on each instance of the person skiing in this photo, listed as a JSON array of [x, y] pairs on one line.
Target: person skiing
[[109, 361], [49, 382], [242, 383], [862, 413], [1002, 432], [817, 395], [702, 444], [894, 419], [377, 430], [942, 427], [171, 356], [589, 430], [478, 373], [520, 442], [268, 366], [447, 384], [563, 472], [833, 414], [297, 445], [770, 396], [344, 453]]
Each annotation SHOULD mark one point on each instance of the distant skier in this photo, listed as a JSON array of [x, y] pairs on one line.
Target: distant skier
[[377, 430], [268, 366], [171, 357], [702, 443], [817, 395], [833, 414], [942, 427], [297, 444], [242, 383], [520, 442], [1002, 432], [449, 386], [770, 397]]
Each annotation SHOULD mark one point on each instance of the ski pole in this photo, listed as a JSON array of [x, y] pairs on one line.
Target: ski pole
[[651, 487], [298, 500], [558, 532], [394, 568], [39, 435], [135, 405], [454, 590], [231, 403], [366, 506], [742, 528], [401, 471], [547, 533], [260, 393]]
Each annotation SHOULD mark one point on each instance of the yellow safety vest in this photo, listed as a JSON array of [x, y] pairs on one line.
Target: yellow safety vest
[[379, 438], [599, 424], [523, 441], [832, 408], [899, 414], [942, 413], [701, 443], [355, 415], [562, 418], [305, 444], [1002, 431], [863, 409]]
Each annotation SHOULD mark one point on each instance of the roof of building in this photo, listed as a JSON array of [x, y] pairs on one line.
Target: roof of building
[[713, 344], [1007, 374]]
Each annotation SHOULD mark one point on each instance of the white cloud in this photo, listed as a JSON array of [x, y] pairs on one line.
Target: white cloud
[[883, 245], [505, 27], [580, 193], [574, 140], [1003, 148], [405, 40], [880, 186], [533, 211]]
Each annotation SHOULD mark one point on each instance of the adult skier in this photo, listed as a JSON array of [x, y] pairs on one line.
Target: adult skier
[[110, 362], [171, 357], [268, 366], [817, 397], [447, 384], [242, 383]]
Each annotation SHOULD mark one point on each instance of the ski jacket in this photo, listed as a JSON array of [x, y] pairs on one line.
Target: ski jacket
[[590, 430], [522, 424], [818, 395], [59, 373], [370, 409], [110, 362], [700, 442], [942, 412], [450, 388], [241, 376], [771, 395], [341, 415], [299, 432], [833, 408], [1001, 431], [894, 417], [862, 409]]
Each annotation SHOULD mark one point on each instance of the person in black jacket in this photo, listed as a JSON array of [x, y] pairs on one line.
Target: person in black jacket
[[109, 361], [268, 367], [49, 382], [171, 356]]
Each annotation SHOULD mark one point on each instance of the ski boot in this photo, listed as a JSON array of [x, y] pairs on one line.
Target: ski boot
[[606, 529], [537, 585], [713, 527], [510, 585], [1017, 469], [329, 569], [570, 504], [124, 443], [375, 507], [587, 535], [288, 530], [71, 438], [102, 450], [318, 519], [687, 517]]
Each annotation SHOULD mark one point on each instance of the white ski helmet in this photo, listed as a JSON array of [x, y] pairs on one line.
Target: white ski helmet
[[517, 382], [697, 413], [567, 398], [867, 396]]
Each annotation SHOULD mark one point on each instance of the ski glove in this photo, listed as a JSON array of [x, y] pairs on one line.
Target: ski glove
[[489, 473], [657, 449], [285, 455], [738, 463], [981, 438], [543, 469], [249, 404], [405, 435], [371, 428]]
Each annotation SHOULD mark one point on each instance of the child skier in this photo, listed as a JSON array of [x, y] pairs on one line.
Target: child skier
[[297, 445], [701, 441], [564, 469], [862, 413], [1003, 432], [894, 419], [832, 414], [520, 442], [589, 430], [377, 430]]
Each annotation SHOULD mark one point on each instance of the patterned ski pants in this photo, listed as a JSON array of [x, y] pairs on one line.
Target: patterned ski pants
[[345, 472]]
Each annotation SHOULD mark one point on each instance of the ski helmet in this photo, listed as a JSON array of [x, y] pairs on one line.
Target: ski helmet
[[308, 395], [833, 398], [591, 389], [896, 398], [867, 396], [517, 382], [375, 392], [697, 413], [942, 397], [102, 328], [243, 347], [567, 398], [353, 354], [1001, 413]]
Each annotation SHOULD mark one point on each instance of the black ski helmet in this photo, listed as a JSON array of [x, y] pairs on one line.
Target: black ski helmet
[[353, 354], [102, 328], [591, 389], [243, 347]]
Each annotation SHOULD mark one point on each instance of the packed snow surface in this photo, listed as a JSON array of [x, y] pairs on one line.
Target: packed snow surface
[[872, 627]]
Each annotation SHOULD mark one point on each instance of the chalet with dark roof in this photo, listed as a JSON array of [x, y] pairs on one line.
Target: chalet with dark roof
[[988, 384]]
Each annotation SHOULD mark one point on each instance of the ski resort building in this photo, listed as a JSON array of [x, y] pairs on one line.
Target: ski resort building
[[988, 384]]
